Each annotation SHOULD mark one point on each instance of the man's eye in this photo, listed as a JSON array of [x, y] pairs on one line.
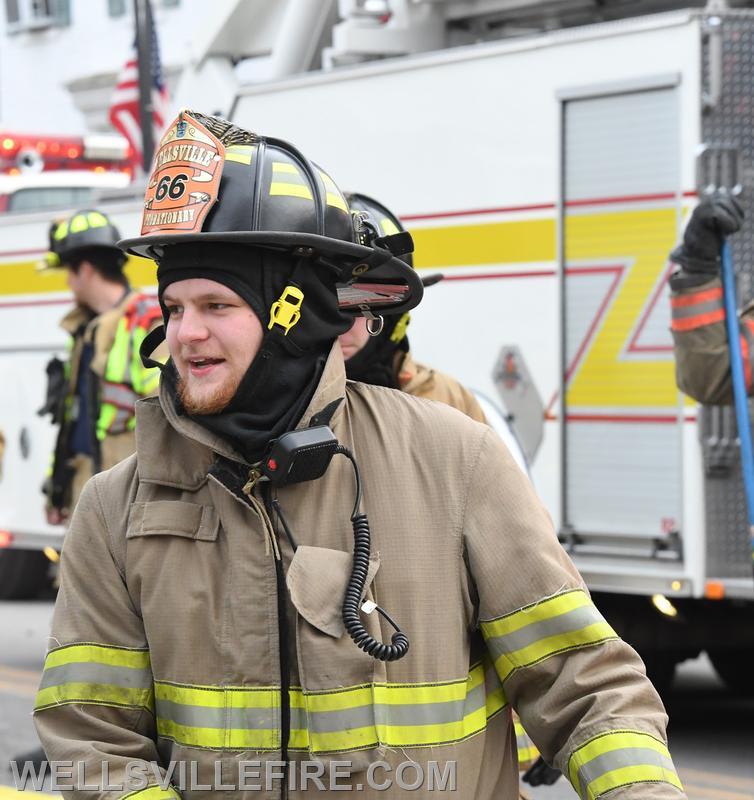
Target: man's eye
[[218, 306], [173, 310]]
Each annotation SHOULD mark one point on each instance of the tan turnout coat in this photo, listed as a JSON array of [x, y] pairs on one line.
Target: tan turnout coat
[[100, 333], [168, 641], [701, 344], [422, 381]]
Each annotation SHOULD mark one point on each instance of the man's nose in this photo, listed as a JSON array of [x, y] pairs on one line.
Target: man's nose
[[192, 327]]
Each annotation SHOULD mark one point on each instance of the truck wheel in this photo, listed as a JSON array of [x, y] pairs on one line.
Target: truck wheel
[[23, 574], [733, 665]]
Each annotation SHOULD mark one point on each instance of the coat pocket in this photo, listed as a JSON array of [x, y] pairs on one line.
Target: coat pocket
[[173, 518], [317, 580], [333, 714]]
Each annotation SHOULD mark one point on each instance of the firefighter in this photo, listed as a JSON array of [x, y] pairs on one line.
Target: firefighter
[[91, 397], [698, 314], [228, 612], [385, 359]]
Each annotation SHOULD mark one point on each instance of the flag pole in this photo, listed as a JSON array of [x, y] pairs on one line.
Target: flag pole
[[142, 21]]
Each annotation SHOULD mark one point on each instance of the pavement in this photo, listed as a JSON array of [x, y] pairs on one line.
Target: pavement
[[711, 729]]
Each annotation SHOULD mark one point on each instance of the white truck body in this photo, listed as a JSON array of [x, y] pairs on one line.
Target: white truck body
[[547, 178]]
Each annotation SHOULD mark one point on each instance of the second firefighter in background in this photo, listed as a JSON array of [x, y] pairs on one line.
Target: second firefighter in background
[[91, 396], [384, 359]]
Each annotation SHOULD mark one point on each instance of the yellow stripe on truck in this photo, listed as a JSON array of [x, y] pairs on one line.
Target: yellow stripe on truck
[[23, 277], [485, 243]]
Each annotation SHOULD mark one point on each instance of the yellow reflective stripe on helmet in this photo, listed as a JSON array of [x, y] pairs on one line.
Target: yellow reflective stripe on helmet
[[241, 153], [565, 622], [620, 758], [280, 189], [399, 331], [78, 223], [336, 201], [388, 227], [49, 261], [97, 220], [286, 168], [61, 231], [333, 196], [153, 793], [98, 674], [289, 181]]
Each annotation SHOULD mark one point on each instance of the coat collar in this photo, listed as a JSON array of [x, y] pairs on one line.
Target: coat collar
[[176, 451], [75, 319], [414, 378], [80, 316]]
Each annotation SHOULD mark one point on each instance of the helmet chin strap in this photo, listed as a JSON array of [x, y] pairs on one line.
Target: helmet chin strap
[[150, 343], [156, 337]]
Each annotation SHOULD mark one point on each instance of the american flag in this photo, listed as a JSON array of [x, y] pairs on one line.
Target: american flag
[[124, 106]]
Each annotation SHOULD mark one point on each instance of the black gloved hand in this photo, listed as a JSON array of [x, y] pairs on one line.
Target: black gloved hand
[[540, 773], [716, 217]]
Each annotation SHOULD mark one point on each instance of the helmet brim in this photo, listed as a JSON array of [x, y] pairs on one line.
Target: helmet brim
[[389, 287]]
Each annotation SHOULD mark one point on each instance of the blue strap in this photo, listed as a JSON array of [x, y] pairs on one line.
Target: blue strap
[[739, 383]]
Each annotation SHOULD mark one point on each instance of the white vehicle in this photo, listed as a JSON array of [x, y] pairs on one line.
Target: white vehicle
[[39, 176], [547, 178]]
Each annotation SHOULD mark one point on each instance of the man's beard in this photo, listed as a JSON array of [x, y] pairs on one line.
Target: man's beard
[[213, 403]]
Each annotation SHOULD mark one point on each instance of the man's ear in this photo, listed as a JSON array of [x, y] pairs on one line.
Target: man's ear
[[86, 270]]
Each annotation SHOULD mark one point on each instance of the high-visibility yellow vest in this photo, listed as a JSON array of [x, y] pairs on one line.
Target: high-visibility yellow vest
[[126, 379]]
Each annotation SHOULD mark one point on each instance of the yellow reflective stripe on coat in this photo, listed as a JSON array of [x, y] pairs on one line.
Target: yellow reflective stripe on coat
[[396, 715], [527, 750], [126, 379], [352, 718], [153, 793], [117, 360], [229, 717], [145, 380], [620, 758], [97, 674], [567, 621]]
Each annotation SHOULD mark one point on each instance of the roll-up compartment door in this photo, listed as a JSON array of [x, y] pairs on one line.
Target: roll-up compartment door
[[621, 193]]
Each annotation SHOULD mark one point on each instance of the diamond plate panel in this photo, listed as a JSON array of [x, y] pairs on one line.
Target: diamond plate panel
[[731, 122]]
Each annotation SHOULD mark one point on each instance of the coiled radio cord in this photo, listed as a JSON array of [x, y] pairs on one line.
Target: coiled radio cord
[[355, 590]]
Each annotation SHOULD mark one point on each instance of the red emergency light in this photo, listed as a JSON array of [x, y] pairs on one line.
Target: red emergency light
[[21, 153], [6, 539]]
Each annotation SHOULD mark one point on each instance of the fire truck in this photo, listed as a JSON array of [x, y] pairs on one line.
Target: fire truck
[[39, 176], [49, 172], [547, 177]]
